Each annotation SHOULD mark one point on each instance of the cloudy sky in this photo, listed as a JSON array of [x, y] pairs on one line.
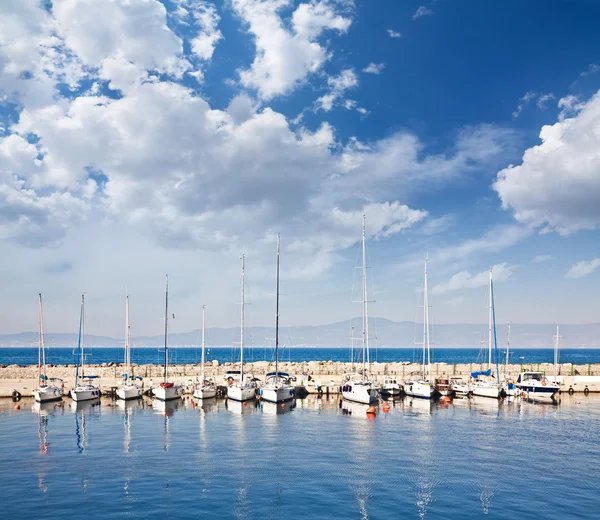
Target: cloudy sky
[[145, 137]]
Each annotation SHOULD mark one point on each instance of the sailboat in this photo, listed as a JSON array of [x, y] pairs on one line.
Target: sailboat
[[480, 385], [423, 387], [167, 390], [129, 388], [357, 387], [204, 389], [509, 386], [44, 392], [242, 389], [277, 388], [84, 389]]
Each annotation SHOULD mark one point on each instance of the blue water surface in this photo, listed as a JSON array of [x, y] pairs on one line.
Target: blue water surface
[[315, 458], [65, 355]]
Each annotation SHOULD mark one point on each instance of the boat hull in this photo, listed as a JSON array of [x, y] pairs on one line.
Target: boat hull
[[538, 392], [86, 393], [278, 394], [491, 391], [360, 394], [206, 392], [419, 389], [241, 393], [393, 390], [168, 393], [46, 394], [129, 392]]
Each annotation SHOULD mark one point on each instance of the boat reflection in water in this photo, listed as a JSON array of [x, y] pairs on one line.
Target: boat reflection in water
[[418, 406], [84, 406], [241, 407], [270, 408]]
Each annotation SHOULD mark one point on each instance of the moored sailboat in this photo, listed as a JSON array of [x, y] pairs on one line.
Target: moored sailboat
[[242, 389], [277, 388], [358, 387], [84, 390], [167, 390], [44, 392], [423, 387], [129, 387], [204, 389]]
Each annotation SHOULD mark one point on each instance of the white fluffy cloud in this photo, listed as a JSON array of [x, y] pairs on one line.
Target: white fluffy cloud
[[393, 34], [286, 56], [374, 68], [583, 268], [465, 280], [338, 85], [557, 185], [422, 11]]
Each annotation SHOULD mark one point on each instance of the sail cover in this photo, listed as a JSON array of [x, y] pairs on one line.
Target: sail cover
[[475, 375]]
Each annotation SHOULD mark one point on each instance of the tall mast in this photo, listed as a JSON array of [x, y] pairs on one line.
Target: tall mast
[[82, 335], [40, 339], [79, 344], [242, 329], [490, 325], [277, 321], [166, 326], [507, 353], [426, 344], [127, 333], [495, 335], [365, 331], [556, 354], [203, 326]]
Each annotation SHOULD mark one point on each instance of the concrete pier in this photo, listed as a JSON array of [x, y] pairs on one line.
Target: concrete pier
[[313, 374]]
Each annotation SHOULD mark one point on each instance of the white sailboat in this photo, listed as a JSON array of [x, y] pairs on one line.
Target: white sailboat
[[358, 388], [277, 388], [423, 387], [129, 387], [44, 392], [84, 389], [483, 383], [204, 389], [167, 390], [242, 389]]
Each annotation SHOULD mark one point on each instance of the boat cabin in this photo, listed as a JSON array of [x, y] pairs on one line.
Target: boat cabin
[[529, 376]]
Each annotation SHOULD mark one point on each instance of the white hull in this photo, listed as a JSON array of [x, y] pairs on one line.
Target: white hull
[[391, 390], [206, 392], [85, 393], [421, 389], [45, 394], [484, 390], [270, 408], [241, 393], [279, 394], [169, 393], [357, 393], [129, 392], [461, 390]]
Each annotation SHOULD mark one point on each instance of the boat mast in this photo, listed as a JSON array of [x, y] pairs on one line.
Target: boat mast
[[127, 333], [495, 335], [166, 326], [203, 327], [40, 342], [365, 331], [79, 344], [490, 325], [82, 335], [426, 343], [556, 354], [242, 330], [507, 352], [277, 322]]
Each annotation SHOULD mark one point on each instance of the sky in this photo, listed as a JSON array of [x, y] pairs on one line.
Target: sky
[[146, 137]]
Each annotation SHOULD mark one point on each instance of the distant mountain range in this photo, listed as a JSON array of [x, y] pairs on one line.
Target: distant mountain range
[[387, 333]]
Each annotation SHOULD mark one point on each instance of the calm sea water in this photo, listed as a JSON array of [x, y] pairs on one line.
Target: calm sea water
[[470, 459], [62, 356]]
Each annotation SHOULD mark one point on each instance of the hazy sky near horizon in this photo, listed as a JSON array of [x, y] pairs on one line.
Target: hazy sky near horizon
[[145, 137]]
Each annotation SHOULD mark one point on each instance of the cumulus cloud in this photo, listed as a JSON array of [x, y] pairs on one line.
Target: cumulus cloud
[[374, 68], [286, 56], [422, 11], [557, 185], [583, 268], [338, 85], [465, 280], [393, 34]]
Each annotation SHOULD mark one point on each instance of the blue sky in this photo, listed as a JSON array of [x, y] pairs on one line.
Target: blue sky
[[144, 137]]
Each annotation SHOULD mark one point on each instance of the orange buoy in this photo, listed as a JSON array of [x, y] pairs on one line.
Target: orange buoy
[[107, 404], [150, 405], [245, 403], [17, 407], [386, 407], [371, 410], [447, 400], [282, 405]]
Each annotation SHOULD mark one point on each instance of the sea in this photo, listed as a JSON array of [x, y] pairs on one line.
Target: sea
[[191, 355], [315, 458]]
